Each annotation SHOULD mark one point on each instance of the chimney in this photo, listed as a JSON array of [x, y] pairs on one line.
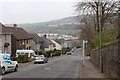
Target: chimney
[[15, 26], [45, 36]]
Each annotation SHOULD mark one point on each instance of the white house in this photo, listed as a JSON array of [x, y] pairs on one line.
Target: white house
[[57, 45]]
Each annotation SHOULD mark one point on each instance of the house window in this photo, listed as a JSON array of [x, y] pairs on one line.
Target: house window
[[20, 42], [5, 37], [23, 41], [27, 41]]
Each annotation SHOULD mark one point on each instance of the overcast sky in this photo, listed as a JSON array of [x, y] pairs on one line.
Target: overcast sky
[[32, 11]]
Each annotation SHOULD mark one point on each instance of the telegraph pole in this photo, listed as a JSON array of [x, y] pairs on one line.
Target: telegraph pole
[[118, 43], [100, 34]]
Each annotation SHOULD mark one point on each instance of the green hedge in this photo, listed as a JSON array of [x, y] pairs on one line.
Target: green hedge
[[38, 52], [53, 52], [56, 53], [65, 50], [46, 53], [22, 58]]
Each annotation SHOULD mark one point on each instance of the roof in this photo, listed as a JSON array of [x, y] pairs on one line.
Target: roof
[[35, 37], [19, 33], [55, 42], [46, 42], [60, 41]]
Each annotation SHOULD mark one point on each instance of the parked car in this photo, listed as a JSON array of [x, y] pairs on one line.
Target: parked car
[[0, 70], [40, 59], [68, 53], [7, 64]]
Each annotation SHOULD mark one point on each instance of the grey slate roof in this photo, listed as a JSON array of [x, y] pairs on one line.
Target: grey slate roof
[[46, 42], [60, 41], [35, 37], [19, 33]]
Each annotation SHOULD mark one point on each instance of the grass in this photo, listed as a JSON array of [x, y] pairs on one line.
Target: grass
[[108, 35]]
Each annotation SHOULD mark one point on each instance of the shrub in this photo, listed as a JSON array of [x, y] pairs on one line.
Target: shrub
[[65, 50], [22, 58], [38, 52], [56, 53], [46, 53]]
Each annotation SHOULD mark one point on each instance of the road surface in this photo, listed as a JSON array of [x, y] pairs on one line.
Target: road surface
[[65, 66]]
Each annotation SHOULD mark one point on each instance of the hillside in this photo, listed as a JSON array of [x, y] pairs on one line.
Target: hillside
[[66, 25]]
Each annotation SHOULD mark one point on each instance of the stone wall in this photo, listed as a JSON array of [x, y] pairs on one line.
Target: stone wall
[[110, 59]]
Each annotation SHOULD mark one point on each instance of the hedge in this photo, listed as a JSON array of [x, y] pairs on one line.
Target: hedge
[[22, 58]]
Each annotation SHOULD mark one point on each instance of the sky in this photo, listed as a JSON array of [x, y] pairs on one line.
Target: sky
[[32, 11]]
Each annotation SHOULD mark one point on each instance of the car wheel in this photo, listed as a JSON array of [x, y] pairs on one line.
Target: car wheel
[[3, 71], [46, 61], [16, 68], [34, 62], [43, 62]]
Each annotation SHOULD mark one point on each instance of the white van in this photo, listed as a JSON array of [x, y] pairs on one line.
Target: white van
[[7, 64], [30, 53]]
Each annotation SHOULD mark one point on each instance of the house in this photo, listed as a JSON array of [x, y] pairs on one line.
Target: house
[[5, 43], [14, 38], [5, 38], [57, 45], [46, 44], [64, 43], [61, 42], [68, 43], [36, 42]]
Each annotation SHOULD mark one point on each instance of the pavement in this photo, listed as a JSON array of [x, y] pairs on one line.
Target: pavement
[[89, 70]]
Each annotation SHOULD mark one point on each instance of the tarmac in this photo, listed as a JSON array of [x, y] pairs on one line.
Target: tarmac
[[87, 71], [32, 62]]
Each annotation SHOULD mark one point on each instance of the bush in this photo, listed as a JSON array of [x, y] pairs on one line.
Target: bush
[[65, 50], [46, 53], [22, 58], [56, 53], [38, 52]]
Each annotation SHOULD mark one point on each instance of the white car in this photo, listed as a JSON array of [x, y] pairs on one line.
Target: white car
[[7, 65], [40, 59]]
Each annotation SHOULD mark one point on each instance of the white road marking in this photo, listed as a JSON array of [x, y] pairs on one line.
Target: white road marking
[[47, 68]]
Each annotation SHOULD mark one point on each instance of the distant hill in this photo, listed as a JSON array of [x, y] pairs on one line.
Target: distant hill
[[66, 25]]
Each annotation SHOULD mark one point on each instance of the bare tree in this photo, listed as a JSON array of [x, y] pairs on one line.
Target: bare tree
[[108, 7]]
